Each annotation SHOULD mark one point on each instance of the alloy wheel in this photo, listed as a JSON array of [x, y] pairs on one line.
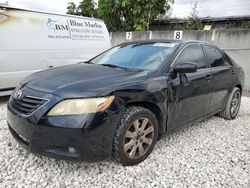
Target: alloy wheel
[[138, 138], [235, 103]]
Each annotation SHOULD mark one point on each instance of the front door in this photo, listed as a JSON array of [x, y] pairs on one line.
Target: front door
[[189, 93]]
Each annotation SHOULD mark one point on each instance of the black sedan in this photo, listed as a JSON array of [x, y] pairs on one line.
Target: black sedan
[[120, 102]]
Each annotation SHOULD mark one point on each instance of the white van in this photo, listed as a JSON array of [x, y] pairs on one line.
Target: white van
[[31, 41]]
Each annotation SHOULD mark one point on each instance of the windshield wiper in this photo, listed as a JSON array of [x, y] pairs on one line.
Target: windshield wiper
[[113, 66], [87, 62]]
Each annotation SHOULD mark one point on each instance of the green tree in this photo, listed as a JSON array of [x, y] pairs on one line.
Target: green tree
[[85, 8], [72, 9], [131, 15], [109, 11]]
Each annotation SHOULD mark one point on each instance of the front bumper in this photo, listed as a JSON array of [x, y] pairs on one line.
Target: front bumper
[[81, 137]]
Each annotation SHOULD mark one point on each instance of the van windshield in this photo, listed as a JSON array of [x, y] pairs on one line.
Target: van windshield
[[148, 56]]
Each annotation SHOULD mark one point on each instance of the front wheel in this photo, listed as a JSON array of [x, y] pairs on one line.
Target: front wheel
[[136, 135], [233, 105]]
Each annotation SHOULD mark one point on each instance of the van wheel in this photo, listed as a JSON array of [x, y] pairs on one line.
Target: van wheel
[[233, 105], [136, 136]]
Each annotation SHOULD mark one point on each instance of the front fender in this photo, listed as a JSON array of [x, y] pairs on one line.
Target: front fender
[[151, 94]]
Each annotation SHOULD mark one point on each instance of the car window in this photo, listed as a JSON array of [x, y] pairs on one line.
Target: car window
[[227, 59], [214, 57], [148, 56], [193, 53]]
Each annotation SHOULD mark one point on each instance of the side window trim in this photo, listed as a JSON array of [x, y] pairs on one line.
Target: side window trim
[[227, 60], [205, 54]]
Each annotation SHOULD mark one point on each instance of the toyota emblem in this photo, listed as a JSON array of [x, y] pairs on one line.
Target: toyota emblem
[[18, 94]]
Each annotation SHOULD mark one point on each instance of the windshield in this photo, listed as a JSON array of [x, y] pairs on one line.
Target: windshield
[[147, 56]]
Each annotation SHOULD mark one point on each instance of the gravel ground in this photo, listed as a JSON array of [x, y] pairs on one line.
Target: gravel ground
[[214, 153]]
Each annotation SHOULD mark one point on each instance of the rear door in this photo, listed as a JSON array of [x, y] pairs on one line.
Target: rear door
[[223, 75], [190, 101]]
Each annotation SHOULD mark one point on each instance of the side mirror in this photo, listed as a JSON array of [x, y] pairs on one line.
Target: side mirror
[[185, 68]]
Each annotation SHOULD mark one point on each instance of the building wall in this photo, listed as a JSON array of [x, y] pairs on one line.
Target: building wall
[[216, 23], [236, 42]]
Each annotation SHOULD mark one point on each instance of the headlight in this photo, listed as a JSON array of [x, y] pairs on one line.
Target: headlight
[[81, 106]]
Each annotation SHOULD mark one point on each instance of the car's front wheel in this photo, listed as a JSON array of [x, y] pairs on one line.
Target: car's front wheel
[[233, 105], [135, 136]]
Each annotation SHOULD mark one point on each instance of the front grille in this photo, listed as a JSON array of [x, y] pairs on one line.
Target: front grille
[[27, 105]]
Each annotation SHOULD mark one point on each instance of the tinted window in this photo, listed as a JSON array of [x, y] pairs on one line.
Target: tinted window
[[214, 57], [148, 56], [193, 53]]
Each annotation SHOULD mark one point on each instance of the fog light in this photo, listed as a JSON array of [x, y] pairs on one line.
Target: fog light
[[72, 150]]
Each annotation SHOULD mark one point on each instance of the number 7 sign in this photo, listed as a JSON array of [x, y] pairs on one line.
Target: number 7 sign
[[178, 35], [128, 35]]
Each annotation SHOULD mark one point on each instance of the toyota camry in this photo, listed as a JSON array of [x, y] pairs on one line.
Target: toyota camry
[[119, 103]]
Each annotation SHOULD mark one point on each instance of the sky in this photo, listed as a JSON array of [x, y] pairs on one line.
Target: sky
[[180, 9], [57, 6], [213, 8]]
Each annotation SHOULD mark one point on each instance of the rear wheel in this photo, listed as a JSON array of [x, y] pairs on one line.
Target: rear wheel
[[136, 135], [233, 105]]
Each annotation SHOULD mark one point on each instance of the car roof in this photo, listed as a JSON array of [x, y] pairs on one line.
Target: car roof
[[179, 42], [183, 42]]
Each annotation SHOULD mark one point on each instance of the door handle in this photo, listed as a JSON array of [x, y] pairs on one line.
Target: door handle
[[233, 72], [208, 78]]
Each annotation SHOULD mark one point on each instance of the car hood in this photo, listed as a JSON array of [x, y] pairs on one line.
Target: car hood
[[82, 80]]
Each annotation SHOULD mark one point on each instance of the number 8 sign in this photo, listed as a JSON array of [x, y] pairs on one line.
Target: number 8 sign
[[178, 35]]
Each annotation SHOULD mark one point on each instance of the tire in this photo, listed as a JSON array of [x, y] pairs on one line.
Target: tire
[[135, 136], [233, 105]]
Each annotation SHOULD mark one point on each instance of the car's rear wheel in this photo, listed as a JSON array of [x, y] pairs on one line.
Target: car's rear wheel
[[233, 105], [136, 135]]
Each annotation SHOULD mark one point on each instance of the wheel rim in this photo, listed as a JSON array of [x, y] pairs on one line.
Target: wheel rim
[[235, 104], [138, 138]]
